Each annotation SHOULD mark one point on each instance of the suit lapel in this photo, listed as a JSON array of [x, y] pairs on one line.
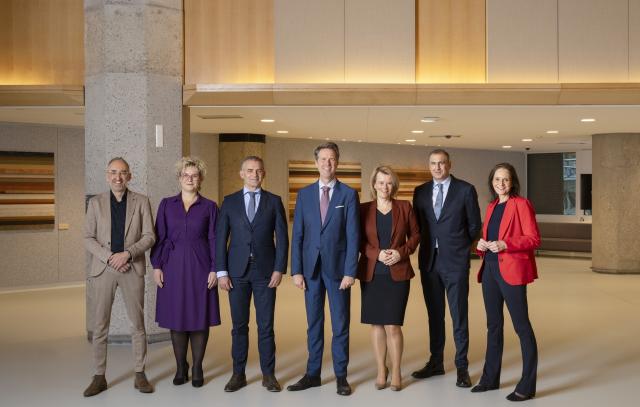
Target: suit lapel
[[131, 201], [395, 218], [507, 217], [451, 192], [372, 223], [243, 209], [485, 225], [264, 200], [105, 207]]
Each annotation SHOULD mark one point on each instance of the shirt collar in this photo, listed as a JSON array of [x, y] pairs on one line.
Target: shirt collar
[[245, 190], [444, 183], [113, 197], [330, 185]]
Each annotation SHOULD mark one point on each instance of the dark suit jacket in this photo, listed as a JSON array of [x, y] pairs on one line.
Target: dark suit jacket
[[234, 227], [519, 230], [457, 228], [405, 236], [336, 242]]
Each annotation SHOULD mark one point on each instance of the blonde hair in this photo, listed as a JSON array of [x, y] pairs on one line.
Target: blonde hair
[[185, 162], [386, 170]]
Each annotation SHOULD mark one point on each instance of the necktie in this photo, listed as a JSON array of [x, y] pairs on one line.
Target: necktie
[[251, 210], [324, 203], [437, 208]]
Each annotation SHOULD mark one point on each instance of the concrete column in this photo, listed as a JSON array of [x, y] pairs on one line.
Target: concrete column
[[616, 193], [133, 81], [233, 148]]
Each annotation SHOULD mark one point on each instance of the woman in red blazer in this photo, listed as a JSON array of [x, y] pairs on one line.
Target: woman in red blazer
[[510, 236], [389, 235]]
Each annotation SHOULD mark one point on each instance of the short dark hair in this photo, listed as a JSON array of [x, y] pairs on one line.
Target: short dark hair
[[328, 145], [515, 183], [119, 159], [440, 151], [252, 158]]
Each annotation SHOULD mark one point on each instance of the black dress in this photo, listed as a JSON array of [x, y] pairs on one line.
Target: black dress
[[384, 300]]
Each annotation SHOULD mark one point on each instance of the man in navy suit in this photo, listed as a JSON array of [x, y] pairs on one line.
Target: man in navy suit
[[324, 259], [449, 219], [252, 264]]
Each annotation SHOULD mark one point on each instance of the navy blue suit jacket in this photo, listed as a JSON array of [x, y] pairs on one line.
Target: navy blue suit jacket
[[457, 227], [234, 227], [336, 242]]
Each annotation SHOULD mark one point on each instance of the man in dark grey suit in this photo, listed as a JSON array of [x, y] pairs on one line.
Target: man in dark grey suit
[[449, 217], [252, 264]]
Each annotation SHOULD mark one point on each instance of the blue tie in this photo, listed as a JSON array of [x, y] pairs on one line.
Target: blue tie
[[437, 208], [251, 210]]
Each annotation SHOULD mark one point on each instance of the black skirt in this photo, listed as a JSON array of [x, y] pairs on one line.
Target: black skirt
[[384, 301]]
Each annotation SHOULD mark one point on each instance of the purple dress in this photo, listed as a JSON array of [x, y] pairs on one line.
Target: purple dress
[[185, 251]]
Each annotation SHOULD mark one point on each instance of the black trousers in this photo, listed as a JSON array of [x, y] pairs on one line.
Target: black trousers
[[455, 284], [264, 300], [496, 292]]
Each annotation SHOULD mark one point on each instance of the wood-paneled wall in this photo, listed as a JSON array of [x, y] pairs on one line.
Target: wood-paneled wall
[[41, 42], [450, 40], [228, 41]]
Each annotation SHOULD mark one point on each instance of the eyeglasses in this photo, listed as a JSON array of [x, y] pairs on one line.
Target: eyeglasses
[[193, 177], [115, 173]]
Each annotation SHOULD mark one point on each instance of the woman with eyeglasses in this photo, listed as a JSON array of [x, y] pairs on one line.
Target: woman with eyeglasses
[[184, 271]]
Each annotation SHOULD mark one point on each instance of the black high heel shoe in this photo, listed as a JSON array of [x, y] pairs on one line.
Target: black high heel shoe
[[197, 377], [518, 397], [182, 375]]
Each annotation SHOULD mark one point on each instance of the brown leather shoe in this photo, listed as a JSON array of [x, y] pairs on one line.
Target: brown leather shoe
[[98, 385], [142, 384], [271, 383]]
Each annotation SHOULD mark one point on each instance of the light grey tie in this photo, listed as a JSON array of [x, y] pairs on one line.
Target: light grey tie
[[437, 208], [251, 210]]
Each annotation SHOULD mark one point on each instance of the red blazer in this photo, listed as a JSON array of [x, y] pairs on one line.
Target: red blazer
[[405, 236], [519, 230]]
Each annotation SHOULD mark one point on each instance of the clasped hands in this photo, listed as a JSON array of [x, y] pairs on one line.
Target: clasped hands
[[120, 261], [495, 246], [389, 257], [346, 283], [158, 277], [227, 285]]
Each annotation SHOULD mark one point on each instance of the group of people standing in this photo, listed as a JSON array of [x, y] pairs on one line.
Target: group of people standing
[[242, 248]]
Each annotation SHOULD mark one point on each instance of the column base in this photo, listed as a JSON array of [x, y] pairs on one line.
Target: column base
[[615, 271]]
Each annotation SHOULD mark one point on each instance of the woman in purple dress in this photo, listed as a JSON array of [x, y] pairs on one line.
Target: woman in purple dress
[[184, 270]]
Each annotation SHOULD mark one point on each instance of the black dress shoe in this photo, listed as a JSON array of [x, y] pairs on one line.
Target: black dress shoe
[[197, 376], [305, 383], [237, 381], [481, 388], [271, 383], [430, 369], [463, 378], [517, 397], [182, 375], [343, 386]]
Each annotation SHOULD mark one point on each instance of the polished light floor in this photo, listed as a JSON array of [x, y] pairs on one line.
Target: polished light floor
[[587, 326]]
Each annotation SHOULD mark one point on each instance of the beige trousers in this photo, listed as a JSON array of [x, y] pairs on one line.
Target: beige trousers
[[132, 288]]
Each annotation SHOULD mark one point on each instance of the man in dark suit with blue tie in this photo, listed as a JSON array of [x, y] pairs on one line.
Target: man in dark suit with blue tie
[[324, 259], [449, 218], [252, 263]]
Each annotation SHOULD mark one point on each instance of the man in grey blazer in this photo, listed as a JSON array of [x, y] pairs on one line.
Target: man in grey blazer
[[118, 231]]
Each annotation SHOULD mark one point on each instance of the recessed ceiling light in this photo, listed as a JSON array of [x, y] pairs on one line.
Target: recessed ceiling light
[[527, 139], [282, 131], [587, 120], [506, 146], [344, 139], [327, 138], [429, 119], [410, 140], [309, 137], [417, 131], [267, 120], [552, 132], [359, 141]]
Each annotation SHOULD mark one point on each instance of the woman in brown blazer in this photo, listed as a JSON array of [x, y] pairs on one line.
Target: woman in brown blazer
[[389, 235]]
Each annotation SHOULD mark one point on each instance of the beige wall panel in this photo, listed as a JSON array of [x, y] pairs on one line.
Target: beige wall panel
[[309, 41], [450, 41], [593, 40], [522, 41], [380, 41], [634, 40], [228, 41], [41, 42]]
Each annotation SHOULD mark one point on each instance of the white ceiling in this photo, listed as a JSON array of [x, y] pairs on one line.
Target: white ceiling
[[481, 127]]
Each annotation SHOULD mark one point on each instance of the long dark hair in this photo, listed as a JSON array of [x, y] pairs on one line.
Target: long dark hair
[[515, 183]]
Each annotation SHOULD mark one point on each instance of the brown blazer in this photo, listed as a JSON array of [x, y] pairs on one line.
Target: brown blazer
[[405, 236], [138, 231]]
